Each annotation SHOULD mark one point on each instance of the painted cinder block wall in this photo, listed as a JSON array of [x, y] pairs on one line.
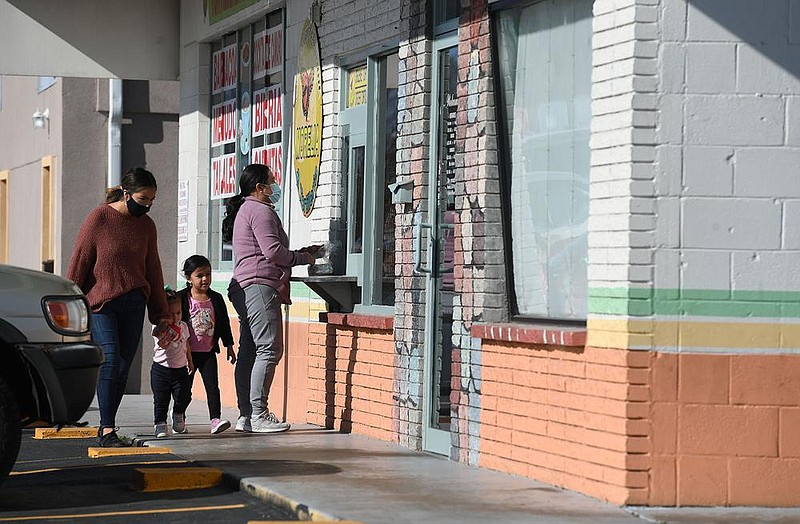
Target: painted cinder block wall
[[703, 277], [726, 287]]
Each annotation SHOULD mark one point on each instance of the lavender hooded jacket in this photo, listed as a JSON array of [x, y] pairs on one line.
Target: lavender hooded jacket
[[261, 248]]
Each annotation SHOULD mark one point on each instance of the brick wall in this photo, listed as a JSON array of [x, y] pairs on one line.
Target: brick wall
[[413, 154], [622, 211], [572, 417], [479, 256], [350, 380]]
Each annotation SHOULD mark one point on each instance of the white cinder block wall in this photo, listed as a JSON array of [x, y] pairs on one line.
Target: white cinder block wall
[[695, 175], [728, 153]]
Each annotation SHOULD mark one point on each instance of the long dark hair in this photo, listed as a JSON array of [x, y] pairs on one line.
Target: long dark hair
[[251, 176], [192, 263], [133, 181]]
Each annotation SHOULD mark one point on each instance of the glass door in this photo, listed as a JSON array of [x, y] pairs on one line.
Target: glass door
[[439, 247]]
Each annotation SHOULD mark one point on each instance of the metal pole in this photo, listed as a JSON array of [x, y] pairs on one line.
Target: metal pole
[[114, 168]]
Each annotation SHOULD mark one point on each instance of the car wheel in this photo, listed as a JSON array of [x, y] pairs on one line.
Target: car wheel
[[10, 429]]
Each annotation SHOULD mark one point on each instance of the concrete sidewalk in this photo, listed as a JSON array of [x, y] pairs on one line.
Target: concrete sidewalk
[[329, 475]]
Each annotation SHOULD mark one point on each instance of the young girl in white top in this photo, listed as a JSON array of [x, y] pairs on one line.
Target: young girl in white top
[[170, 374]]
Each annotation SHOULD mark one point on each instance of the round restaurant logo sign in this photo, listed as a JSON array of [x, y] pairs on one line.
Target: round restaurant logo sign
[[307, 117]]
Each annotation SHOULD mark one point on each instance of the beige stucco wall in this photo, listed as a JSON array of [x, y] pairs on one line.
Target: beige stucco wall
[[21, 151]]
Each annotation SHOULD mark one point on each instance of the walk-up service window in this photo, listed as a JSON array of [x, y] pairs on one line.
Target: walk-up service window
[[544, 52], [247, 86], [369, 132]]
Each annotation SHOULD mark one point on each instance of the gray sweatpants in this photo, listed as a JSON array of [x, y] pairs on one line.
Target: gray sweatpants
[[260, 345]]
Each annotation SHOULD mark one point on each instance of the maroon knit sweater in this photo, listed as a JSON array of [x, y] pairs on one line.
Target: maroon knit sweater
[[116, 253]]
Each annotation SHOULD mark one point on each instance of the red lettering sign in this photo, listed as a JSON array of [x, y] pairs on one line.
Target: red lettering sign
[[273, 61], [267, 110], [259, 51], [223, 66], [223, 123], [271, 156], [223, 176]]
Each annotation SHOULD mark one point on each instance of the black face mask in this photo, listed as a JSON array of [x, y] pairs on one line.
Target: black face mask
[[135, 208]]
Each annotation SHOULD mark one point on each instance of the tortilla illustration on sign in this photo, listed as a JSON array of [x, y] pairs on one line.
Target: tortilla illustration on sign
[[246, 54], [307, 117]]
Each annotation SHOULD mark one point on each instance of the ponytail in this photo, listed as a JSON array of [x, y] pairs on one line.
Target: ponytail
[[231, 208], [252, 175], [113, 194]]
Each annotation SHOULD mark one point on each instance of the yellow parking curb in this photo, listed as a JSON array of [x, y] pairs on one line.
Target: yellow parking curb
[[45, 433], [121, 452], [166, 479]]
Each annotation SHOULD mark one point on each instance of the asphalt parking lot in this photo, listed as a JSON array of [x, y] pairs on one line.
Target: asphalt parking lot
[[54, 480]]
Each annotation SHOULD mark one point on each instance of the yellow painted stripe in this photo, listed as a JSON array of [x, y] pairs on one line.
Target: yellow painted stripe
[[121, 513], [631, 333], [121, 452], [168, 479], [48, 433], [71, 468]]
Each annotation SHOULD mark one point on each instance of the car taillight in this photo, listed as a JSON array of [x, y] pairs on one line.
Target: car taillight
[[67, 315]]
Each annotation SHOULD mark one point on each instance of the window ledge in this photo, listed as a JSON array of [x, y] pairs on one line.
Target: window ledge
[[357, 320], [531, 334]]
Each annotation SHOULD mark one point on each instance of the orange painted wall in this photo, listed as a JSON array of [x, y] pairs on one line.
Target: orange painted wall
[[577, 418], [726, 430], [350, 380], [629, 427], [637, 427]]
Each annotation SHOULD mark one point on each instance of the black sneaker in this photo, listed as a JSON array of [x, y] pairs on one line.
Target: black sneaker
[[112, 440]]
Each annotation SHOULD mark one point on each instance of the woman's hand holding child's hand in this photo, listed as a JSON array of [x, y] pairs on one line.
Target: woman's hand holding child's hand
[[231, 355]]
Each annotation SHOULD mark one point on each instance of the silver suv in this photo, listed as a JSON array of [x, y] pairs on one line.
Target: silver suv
[[48, 363]]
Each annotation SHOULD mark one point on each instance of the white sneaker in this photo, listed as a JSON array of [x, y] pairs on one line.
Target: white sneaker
[[218, 426], [268, 423], [161, 430], [243, 424], [179, 423]]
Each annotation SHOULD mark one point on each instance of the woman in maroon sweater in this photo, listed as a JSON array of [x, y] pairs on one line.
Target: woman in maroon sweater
[[115, 263]]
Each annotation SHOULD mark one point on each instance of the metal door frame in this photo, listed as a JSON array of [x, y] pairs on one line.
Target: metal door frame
[[433, 439]]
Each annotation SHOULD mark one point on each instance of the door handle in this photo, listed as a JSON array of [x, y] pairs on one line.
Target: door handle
[[443, 238], [418, 267]]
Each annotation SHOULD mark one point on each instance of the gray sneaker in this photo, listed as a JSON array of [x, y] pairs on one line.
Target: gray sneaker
[[268, 423], [179, 423], [243, 424], [161, 430]]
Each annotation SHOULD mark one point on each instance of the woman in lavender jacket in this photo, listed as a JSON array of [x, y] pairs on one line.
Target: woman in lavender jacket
[[262, 267]]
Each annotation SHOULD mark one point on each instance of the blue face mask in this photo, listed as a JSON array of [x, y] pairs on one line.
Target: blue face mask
[[276, 193]]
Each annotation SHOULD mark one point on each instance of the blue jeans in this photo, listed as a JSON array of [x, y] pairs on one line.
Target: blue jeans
[[117, 328]]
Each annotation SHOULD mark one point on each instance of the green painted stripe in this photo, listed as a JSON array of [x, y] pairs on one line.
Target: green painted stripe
[[694, 302]]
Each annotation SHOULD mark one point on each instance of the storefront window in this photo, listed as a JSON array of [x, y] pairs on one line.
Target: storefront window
[[389, 105], [445, 15], [545, 52], [246, 116], [369, 131]]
